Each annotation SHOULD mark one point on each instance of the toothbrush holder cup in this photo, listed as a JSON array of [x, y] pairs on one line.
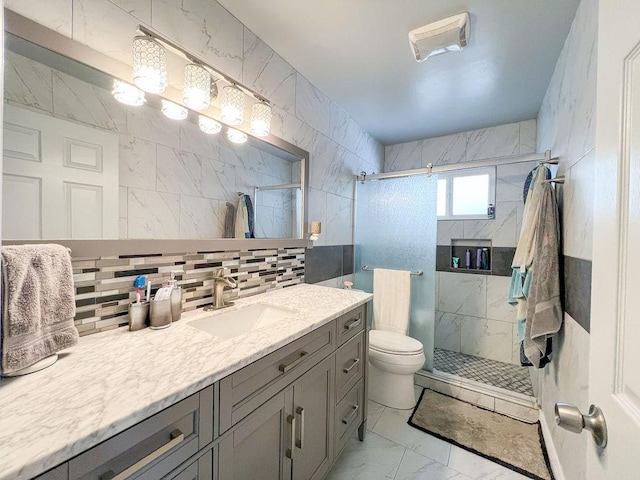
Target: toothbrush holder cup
[[160, 315]]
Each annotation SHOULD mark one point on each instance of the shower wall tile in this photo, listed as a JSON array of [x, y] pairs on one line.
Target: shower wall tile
[[497, 294], [492, 142], [151, 125], [462, 293], [449, 229], [510, 181], [268, 73], [205, 28], [27, 82], [178, 171], [577, 208], [56, 15], [153, 214], [137, 163], [339, 220], [201, 218], [312, 106], [487, 338], [502, 230], [444, 150], [448, 331], [528, 136], [122, 212], [192, 140], [345, 131], [141, 9], [403, 156]]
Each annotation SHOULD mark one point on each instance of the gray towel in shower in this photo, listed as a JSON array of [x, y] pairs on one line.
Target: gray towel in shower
[[38, 304], [544, 308], [229, 221]]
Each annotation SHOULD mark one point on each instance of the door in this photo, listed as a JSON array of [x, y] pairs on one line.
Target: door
[[260, 446], [313, 409], [53, 166], [614, 378]]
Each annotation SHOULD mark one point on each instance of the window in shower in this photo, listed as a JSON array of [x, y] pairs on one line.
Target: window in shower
[[466, 194]]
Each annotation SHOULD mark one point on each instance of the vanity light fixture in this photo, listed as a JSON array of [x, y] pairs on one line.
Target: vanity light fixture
[[260, 119], [173, 110], [128, 94], [232, 105], [236, 136], [149, 64], [209, 125], [196, 88]]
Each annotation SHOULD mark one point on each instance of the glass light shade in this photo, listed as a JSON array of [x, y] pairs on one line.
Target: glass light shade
[[128, 94], [173, 110], [232, 105], [209, 125], [196, 88], [236, 136], [260, 119], [149, 65]]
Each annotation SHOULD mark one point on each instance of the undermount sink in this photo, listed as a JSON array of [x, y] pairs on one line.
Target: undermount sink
[[241, 320]]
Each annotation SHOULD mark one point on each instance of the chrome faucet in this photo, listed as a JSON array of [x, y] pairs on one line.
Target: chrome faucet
[[220, 281]]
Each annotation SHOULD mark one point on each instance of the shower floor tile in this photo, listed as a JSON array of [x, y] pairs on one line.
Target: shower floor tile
[[490, 372]]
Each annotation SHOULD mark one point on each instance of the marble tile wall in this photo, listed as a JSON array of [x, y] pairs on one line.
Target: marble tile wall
[[473, 316], [303, 115], [104, 285], [566, 125]]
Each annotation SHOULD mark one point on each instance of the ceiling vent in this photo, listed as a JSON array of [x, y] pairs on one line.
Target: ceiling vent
[[448, 35]]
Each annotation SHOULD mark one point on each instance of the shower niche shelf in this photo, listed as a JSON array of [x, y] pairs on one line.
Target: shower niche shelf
[[458, 249]]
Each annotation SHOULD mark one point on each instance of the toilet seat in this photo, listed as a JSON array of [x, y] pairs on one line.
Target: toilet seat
[[393, 343]]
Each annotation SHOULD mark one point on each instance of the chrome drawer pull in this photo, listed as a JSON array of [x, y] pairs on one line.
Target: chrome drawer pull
[[292, 421], [353, 324], [177, 437], [285, 367], [300, 442], [351, 416], [356, 361]]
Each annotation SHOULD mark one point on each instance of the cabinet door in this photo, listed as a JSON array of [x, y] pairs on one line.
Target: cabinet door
[[260, 445], [313, 396]]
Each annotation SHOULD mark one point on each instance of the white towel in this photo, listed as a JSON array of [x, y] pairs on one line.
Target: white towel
[[391, 300]]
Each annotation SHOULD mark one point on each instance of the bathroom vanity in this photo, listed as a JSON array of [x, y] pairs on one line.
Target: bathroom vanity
[[279, 401]]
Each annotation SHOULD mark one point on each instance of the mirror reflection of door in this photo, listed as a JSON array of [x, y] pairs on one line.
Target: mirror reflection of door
[[60, 178]]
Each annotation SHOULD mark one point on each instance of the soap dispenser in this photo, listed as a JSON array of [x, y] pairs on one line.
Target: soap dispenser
[[176, 295]]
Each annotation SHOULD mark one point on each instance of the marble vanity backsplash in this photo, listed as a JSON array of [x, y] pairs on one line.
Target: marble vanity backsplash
[[104, 285]]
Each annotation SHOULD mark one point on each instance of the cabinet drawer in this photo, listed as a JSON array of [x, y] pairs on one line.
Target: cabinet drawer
[[349, 413], [244, 391], [350, 360], [350, 324], [154, 447], [59, 473], [198, 469]]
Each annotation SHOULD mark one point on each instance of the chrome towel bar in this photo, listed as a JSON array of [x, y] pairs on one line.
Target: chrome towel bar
[[370, 269]]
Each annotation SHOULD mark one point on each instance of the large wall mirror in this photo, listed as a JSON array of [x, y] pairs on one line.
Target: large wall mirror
[[80, 165]]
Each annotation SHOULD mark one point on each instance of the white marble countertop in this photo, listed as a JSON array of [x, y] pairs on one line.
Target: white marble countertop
[[113, 380]]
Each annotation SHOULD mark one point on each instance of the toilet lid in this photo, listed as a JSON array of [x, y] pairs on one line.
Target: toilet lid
[[392, 342]]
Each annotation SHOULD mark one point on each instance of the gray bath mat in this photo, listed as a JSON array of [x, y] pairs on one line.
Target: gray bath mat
[[511, 443]]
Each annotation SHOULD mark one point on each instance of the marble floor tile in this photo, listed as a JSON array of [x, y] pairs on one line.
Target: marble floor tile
[[393, 425], [374, 413], [417, 467], [375, 458], [479, 468]]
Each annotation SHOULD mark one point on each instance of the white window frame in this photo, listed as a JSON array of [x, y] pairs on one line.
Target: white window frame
[[471, 172]]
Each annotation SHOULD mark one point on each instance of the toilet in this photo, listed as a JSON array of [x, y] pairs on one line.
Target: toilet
[[393, 360]]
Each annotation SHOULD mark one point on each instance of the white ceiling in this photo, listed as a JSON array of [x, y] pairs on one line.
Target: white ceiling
[[357, 52]]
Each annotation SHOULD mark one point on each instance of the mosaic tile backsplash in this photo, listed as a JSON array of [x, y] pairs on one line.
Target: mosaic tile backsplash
[[104, 285]]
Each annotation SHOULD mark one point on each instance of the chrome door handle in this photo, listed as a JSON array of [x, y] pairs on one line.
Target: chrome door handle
[[300, 441], [353, 324], [570, 418], [176, 437], [356, 361], [292, 421], [285, 367], [351, 416]]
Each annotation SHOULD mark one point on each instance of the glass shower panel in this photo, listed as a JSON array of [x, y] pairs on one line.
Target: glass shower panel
[[395, 228]]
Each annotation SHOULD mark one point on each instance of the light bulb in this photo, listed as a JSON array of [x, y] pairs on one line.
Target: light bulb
[[173, 110], [260, 119], [232, 105], [236, 136], [128, 94], [209, 125], [196, 89], [149, 65]]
